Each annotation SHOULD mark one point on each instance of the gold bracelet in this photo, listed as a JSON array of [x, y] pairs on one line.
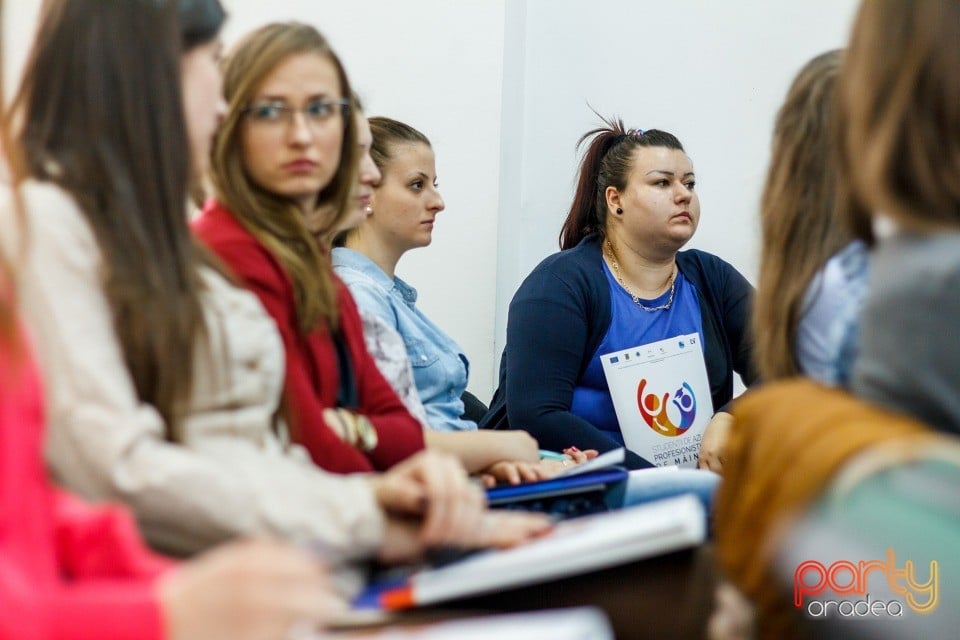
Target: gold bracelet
[[345, 419], [367, 438]]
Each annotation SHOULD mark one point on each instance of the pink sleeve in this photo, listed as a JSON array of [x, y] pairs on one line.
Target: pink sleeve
[[102, 542], [119, 610]]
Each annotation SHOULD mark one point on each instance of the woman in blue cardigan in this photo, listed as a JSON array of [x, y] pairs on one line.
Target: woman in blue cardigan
[[619, 281]]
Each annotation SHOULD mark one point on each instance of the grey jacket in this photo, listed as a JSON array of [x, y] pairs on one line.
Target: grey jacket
[[909, 357]]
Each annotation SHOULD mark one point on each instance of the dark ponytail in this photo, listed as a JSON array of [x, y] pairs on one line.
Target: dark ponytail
[[607, 162]]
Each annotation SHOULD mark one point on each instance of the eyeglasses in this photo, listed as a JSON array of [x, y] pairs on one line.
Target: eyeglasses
[[315, 113]]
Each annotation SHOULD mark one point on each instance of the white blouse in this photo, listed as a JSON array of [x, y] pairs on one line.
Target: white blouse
[[231, 475]]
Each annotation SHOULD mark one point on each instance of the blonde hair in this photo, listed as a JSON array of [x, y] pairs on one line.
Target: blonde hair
[[799, 217], [277, 221], [900, 105]]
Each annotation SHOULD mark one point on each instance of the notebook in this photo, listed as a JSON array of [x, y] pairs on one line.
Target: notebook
[[662, 398], [574, 547]]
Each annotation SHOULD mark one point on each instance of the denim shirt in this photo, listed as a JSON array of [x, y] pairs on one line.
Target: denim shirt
[[440, 369]]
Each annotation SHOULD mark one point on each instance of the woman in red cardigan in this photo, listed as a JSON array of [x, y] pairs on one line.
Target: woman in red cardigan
[[284, 169]]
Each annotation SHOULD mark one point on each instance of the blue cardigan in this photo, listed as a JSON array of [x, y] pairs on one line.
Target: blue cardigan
[[560, 315]]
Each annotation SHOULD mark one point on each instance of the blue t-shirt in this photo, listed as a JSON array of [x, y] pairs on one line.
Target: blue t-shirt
[[631, 326]]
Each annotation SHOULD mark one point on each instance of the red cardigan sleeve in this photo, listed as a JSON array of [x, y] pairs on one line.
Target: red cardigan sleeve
[[400, 434]]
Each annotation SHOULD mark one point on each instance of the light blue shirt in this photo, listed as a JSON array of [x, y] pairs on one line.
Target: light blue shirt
[[440, 369], [828, 331]]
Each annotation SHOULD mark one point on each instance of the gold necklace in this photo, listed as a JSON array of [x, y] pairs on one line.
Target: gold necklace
[[636, 298]]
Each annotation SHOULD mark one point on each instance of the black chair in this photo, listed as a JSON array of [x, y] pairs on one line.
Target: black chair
[[473, 408]]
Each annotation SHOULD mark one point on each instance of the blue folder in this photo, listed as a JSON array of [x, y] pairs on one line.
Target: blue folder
[[582, 494]]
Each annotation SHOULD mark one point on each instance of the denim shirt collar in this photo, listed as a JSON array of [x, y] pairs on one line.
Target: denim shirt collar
[[351, 259]]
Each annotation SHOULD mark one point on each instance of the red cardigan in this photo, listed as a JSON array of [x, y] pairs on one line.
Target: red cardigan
[[67, 570], [312, 379]]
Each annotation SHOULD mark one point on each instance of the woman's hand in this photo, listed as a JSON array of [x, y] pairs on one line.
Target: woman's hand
[[497, 529], [714, 446], [733, 616], [430, 502], [518, 472], [572, 457], [514, 473], [332, 418], [247, 590], [579, 457], [433, 487]]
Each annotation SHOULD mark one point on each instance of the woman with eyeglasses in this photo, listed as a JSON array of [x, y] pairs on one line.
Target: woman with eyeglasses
[[284, 171], [286, 147]]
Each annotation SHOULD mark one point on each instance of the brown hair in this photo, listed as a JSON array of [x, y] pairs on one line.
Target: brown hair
[[802, 226], [900, 104], [274, 220], [102, 118], [606, 163], [387, 133], [7, 288]]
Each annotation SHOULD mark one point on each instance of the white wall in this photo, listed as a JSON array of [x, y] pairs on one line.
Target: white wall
[[501, 87], [19, 23]]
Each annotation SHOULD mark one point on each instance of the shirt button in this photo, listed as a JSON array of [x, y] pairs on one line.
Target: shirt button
[[423, 357]]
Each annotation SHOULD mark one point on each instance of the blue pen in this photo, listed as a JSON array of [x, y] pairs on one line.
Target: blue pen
[[552, 455]]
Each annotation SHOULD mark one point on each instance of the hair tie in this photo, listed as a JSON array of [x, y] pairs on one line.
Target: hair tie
[[636, 132]]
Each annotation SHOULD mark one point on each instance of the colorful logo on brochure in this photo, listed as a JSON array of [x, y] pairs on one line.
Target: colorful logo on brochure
[[654, 409]]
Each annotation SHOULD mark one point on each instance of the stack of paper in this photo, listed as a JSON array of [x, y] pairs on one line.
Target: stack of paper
[[574, 547]]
